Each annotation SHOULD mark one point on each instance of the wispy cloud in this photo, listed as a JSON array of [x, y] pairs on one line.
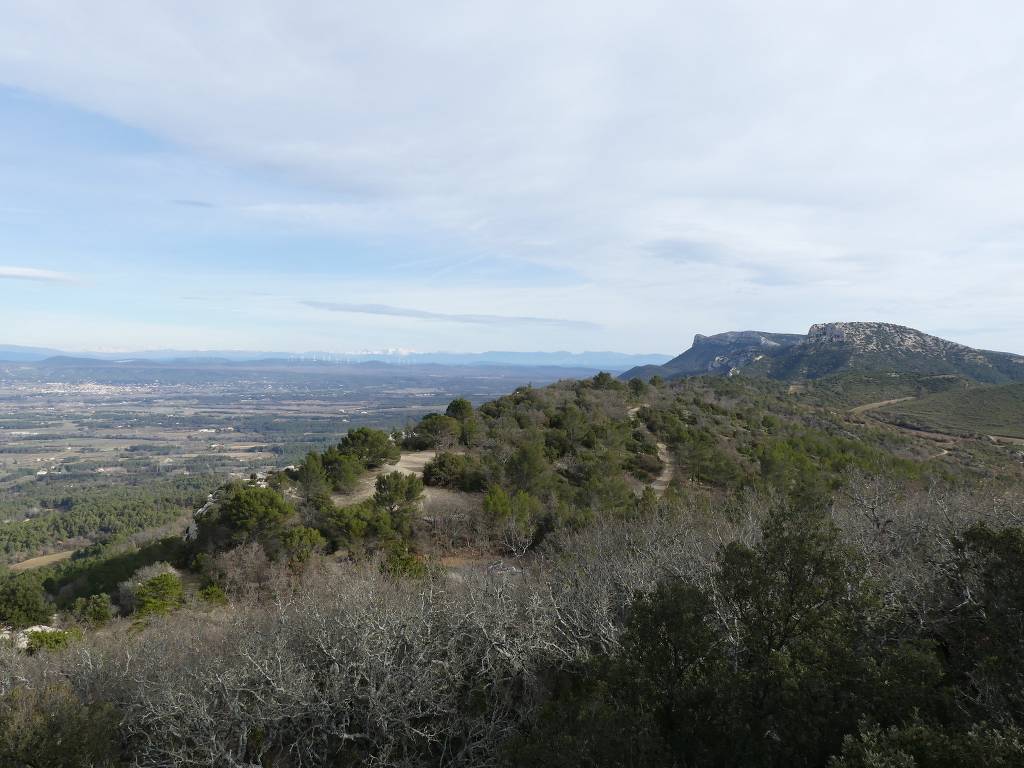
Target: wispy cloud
[[469, 319], [38, 275], [690, 172], [185, 203], [682, 251]]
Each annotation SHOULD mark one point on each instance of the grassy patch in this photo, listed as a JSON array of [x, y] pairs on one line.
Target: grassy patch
[[984, 411]]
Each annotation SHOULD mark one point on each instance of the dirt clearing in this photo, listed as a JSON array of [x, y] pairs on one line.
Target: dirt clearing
[[39, 562], [412, 463]]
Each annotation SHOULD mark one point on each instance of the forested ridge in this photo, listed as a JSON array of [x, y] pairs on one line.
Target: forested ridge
[[812, 588]]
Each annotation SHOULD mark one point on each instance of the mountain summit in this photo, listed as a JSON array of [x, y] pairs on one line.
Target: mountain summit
[[719, 354], [831, 348]]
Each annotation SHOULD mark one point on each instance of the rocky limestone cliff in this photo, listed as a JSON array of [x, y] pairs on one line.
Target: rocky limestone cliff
[[830, 348], [881, 337], [721, 353]]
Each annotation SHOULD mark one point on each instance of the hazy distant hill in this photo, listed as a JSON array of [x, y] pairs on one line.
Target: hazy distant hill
[[16, 354], [607, 361], [833, 348], [277, 371]]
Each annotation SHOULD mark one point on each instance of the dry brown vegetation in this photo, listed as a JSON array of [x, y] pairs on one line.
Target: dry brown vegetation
[[341, 663]]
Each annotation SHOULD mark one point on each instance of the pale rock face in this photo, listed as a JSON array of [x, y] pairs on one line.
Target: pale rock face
[[882, 345], [192, 532], [738, 337], [882, 337], [19, 637]]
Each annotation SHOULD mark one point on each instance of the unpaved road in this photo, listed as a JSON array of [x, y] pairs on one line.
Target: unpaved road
[[880, 404], [661, 484], [946, 441], [1005, 439]]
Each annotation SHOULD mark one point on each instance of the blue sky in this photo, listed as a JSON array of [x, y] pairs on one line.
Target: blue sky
[[475, 176]]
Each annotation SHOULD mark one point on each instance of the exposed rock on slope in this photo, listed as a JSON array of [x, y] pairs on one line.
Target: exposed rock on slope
[[830, 348], [718, 354]]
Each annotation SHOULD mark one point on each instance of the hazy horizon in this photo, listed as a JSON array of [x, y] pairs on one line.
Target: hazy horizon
[[501, 177], [405, 351], [394, 351]]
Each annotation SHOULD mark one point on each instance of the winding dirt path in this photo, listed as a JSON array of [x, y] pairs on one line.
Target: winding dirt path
[[945, 441], [668, 471], [875, 406], [661, 484], [1007, 439]]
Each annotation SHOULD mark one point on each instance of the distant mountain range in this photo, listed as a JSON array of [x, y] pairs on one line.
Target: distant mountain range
[[832, 348], [608, 361]]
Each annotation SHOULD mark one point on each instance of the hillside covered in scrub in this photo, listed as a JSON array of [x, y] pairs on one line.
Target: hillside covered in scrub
[[997, 411], [711, 571]]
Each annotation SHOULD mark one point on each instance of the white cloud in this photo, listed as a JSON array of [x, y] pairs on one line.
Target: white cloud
[[388, 310], [39, 275], [839, 160]]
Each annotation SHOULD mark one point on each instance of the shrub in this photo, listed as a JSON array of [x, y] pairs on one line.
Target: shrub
[[245, 513], [435, 431], [354, 522], [213, 594], [459, 409], [159, 596], [343, 469], [300, 543], [918, 745], [400, 562], [513, 519], [312, 478], [50, 726], [255, 512], [445, 470], [49, 640], [23, 602], [372, 447], [398, 494], [454, 470], [646, 466], [94, 610], [127, 591]]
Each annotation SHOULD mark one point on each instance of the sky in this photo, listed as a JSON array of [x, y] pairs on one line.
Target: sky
[[469, 176]]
